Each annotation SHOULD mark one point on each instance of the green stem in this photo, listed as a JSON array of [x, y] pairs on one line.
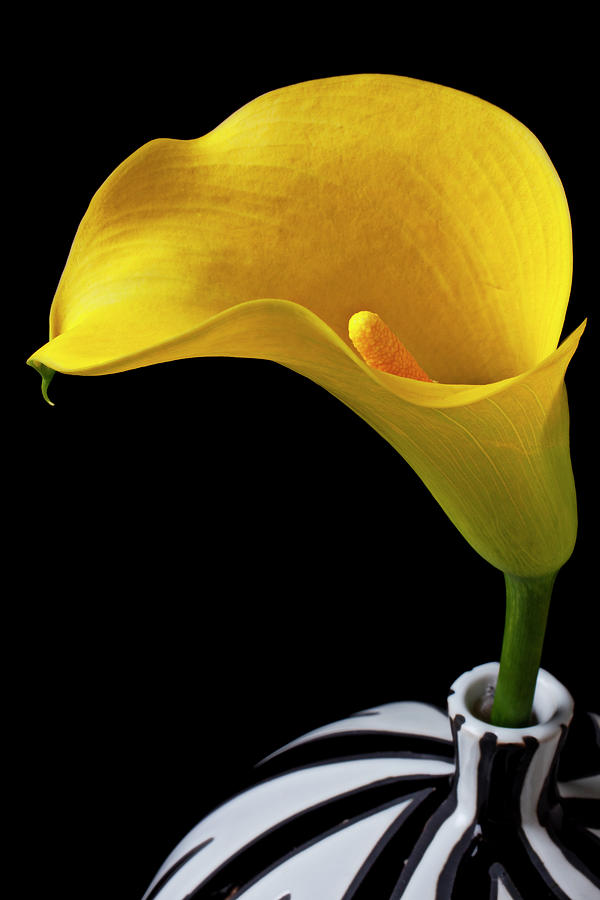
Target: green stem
[[527, 602]]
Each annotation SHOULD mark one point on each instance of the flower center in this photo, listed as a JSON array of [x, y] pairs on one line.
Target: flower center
[[381, 349]]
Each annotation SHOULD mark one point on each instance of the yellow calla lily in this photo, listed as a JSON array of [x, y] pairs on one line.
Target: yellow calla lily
[[431, 207]]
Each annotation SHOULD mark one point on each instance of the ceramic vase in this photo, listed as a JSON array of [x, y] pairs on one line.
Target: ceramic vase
[[404, 801]]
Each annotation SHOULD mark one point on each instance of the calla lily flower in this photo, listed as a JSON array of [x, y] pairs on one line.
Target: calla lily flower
[[430, 208]]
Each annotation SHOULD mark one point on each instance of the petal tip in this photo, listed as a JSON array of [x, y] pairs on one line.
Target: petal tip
[[47, 375]]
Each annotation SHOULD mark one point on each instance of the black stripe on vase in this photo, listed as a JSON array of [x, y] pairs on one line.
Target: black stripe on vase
[[466, 854], [499, 876], [432, 828], [353, 746], [380, 880], [407, 727], [175, 868], [578, 846], [545, 847], [580, 755]]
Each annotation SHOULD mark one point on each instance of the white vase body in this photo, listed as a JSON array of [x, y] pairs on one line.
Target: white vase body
[[403, 802]]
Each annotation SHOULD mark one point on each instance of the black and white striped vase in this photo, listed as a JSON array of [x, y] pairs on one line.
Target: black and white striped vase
[[402, 801]]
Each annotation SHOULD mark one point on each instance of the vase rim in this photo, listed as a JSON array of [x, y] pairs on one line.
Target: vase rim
[[552, 705]]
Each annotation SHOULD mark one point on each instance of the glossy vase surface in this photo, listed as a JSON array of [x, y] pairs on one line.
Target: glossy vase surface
[[404, 801]]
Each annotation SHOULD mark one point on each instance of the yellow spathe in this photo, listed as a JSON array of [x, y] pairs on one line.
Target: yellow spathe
[[432, 208]]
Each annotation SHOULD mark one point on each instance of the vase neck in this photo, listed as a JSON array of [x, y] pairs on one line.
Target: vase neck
[[504, 782], [506, 774]]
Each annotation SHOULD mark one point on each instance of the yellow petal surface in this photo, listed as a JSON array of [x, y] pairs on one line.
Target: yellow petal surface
[[431, 207]]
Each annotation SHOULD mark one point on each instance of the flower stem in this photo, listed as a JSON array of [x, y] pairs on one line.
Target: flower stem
[[527, 603]]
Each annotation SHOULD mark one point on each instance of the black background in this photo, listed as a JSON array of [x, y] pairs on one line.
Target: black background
[[200, 579]]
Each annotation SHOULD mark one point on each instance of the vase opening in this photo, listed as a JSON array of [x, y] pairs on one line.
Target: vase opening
[[473, 694]]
